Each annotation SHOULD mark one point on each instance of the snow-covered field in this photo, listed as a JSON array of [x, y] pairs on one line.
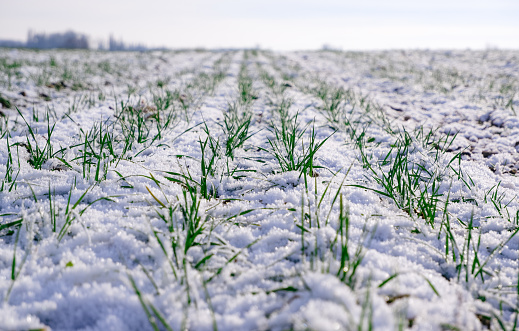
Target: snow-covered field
[[255, 190]]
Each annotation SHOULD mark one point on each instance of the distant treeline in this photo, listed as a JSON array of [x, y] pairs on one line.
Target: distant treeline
[[114, 45], [69, 40]]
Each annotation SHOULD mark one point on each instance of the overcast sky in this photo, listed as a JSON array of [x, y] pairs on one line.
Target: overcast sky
[[280, 25]]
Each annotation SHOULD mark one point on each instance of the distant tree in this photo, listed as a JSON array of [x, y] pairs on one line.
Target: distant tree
[[114, 45]]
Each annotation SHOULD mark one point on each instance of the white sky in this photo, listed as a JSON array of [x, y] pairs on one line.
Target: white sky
[[280, 25]]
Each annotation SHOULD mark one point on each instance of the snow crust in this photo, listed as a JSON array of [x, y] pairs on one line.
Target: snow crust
[[258, 277]]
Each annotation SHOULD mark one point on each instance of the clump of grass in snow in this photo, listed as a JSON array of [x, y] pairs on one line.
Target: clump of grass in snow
[[16, 273], [332, 98], [246, 92], [9, 177], [9, 68], [98, 151], [340, 247], [410, 183], [72, 212], [143, 124], [497, 199], [245, 88], [189, 226], [209, 149], [236, 127], [277, 88], [290, 149], [76, 105], [471, 268], [163, 100], [4, 120], [208, 166], [188, 233], [336, 101], [151, 312], [5, 102], [38, 155], [349, 260], [474, 267], [134, 122], [337, 255]]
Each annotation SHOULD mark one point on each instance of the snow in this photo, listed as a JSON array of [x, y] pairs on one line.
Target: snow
[[261, 275]]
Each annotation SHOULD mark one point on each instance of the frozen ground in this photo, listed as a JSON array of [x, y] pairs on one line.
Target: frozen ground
[[259, 191]]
